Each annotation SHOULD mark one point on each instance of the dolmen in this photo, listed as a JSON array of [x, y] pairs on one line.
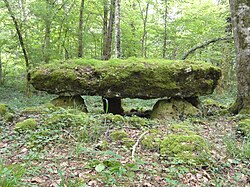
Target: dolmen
[[177, 84]]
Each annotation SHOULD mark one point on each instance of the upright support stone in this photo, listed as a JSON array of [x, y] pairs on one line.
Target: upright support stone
[[112, 105], [70, 101]]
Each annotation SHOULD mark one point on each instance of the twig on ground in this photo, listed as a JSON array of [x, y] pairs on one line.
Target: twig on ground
[[136, 144], [70, 135]]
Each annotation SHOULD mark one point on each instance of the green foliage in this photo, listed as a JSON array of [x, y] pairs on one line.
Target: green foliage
[[11, 175]]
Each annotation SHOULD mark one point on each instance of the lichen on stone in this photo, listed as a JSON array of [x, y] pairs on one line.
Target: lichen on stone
[[174, 108], [70, 102]]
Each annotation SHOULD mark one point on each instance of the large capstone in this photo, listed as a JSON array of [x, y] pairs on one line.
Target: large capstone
[[131, 78]]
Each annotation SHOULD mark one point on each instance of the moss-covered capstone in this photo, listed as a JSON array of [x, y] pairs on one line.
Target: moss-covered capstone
[[132, 78], [174, 108]]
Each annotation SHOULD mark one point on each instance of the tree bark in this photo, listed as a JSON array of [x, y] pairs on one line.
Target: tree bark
[[21, 41], [46, 50], [240, 10], [164, 51], [117, 29], [104, 28], [143, 41], [80, 31], [108, 42], [1, 70]]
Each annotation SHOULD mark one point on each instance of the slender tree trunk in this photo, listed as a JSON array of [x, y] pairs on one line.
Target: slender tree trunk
[[1, 69], [117, 45], [105, 28], [108, 46], [143, 41], [21, 41], [80, 31], [240, 10], [164, 51], [47, 20]]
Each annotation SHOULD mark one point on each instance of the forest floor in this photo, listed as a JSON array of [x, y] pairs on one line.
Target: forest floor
[[69, 148]]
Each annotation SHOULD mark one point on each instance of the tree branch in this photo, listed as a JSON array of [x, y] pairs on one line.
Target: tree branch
[[185, 55]]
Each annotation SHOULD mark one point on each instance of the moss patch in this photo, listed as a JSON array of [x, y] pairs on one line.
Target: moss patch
[[28, 124], [152, 140], [3, 109], [118, 135], [185, 148], [244, 126]]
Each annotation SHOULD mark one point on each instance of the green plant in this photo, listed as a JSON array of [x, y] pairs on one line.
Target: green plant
[[10, 176]]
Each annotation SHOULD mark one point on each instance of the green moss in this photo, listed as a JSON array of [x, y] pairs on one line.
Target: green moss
[[185, 148], [113, 118], [127, 78], [9, 117], [136, 121], [67, 119], [152, 140], [244, 126], [118, 135], [181, 128], [3, 109], [28, 124], [128, 142]]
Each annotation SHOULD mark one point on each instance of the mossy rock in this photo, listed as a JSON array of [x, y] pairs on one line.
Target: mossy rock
[[118, 135], [136, 121], [244, 126], [212, 107], [67, 119], [41, 109], [181, 128], [28, 124], [3, 109], [128, 142], [185, 148], [174, 108], [126, 78], [111, 118], [9, 117], [70, 102], [152, 140]]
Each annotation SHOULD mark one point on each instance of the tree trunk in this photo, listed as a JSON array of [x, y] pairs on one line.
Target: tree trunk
[[1, 69], [240, 10], [164, 51], [108, 42], [80, 31], [117, 30], [21, 41], [104, 28], [46, 50], [143, 41]]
